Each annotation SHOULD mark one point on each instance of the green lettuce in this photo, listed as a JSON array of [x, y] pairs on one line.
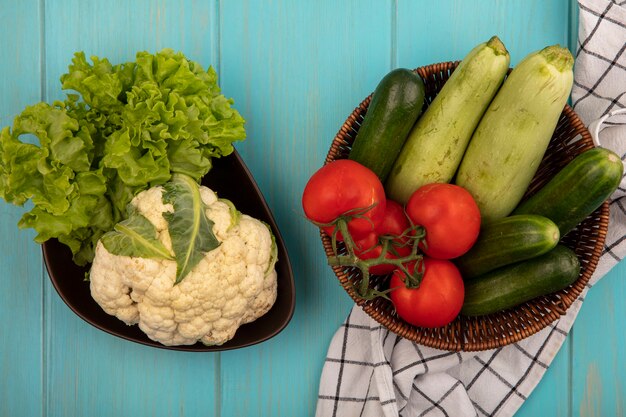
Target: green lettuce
[[122, 128]]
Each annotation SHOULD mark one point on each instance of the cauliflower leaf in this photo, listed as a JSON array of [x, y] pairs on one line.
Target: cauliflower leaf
[[273, 250], [137, 237], [235, 214], [190, 229]]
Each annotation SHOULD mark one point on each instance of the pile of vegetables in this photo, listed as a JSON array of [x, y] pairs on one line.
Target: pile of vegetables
[[435, 199], [185, 266], [121, 129], [112, 172]]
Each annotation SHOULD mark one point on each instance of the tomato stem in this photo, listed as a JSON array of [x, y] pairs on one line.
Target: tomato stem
[[413, 235]]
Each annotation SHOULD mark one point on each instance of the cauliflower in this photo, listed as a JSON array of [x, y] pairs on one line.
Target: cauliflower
[[231, 285]]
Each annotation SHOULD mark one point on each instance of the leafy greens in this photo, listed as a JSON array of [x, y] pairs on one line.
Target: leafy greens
[[136, 236], [127, 127], [190, 229]]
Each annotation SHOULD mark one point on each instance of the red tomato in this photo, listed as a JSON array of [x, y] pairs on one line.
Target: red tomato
[[394, 223], [436, 302], [339, 187], [450, 216]]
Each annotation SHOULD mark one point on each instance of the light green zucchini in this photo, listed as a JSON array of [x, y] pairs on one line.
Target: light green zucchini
[[435, 145], [513, 135]]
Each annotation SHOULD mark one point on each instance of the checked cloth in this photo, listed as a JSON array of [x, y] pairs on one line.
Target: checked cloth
[[372, 372]]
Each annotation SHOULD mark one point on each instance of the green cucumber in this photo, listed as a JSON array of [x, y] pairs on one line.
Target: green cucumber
[[577, 189], [396, 104], [512, 137], [506, 241], [515, 284], [435, 146]]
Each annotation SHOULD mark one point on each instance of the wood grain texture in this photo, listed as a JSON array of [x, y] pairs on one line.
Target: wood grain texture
[[450, 30], [21, 275], [598, 349], [551, 397], [295, 71], [94, 374]]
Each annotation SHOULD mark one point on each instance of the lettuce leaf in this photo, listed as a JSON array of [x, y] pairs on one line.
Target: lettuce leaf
[[120, 130]]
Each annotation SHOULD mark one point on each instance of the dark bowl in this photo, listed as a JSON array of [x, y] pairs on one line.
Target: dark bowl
[[231, 179]]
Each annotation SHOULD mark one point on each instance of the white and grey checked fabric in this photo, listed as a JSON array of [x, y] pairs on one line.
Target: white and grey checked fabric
[[369, 371]]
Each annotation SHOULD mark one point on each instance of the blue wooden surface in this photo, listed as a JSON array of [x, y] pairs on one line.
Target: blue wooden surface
[[295, 70]]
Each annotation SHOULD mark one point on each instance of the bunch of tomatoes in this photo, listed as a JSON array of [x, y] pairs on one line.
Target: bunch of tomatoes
[[415, 243]]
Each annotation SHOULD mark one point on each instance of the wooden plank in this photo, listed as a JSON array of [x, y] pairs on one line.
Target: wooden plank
[[118, 29], [599, 343], [450, 30], [21, 277], [296, 71], [95, 374], [90, 372]]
